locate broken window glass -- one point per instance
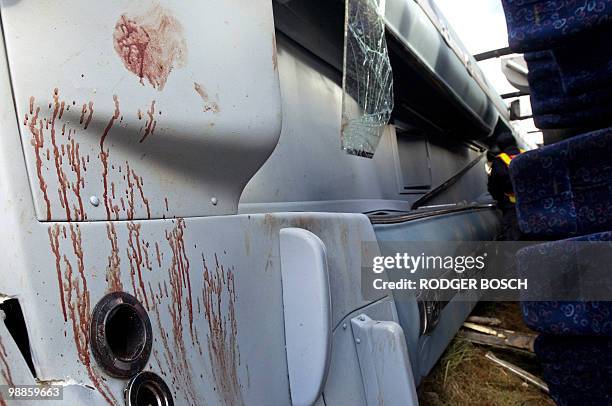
(367, 99)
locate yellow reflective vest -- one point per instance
(506, 158)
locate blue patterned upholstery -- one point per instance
(553, 107)
(542, 24)
(585, 66)
(574, 269)
(569, 318)
(565, 189)
(575, 345)
(577, 371)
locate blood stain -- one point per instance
(150, 45)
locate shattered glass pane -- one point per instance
(367, 82)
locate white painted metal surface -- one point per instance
(213, 294)
(308, 171)
(148, 106)
(384, 362)
(94, 128)
(307, 313)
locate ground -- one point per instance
(463, 376)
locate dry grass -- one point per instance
(463, 376)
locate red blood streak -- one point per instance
(113, 269)
(38, 142)
(222, 330)
(139, 185)
(6, 369)
(151, 122)
(136, 260)
(157, 254)
(75, 163)
(91, 110)
(104, 157)
(61, 175)
(54, 241)
(179, 277)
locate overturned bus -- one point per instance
(189, 190)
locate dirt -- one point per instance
(463, 376)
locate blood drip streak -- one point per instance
(54, 241)
(61, 175)
(151, 122)
(75, 162)
(38, 142)
(135, 258)
(139, 185)
(104, 156)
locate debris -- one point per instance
(483, 329)
(489, 321)
(534, 380)
(510, 340)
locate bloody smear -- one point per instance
(209, 105)
(150, 45)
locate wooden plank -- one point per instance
(515, 341)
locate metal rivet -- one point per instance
(94, 201)
(344, 326)
(358, 340)
(214, 201)
(362, 318)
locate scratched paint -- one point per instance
(151, 45)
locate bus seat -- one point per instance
(569, 269)
(565, 189)
(553, 106)
(577, 371)
(585, 68)
(541, 24)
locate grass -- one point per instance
(463, 376)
